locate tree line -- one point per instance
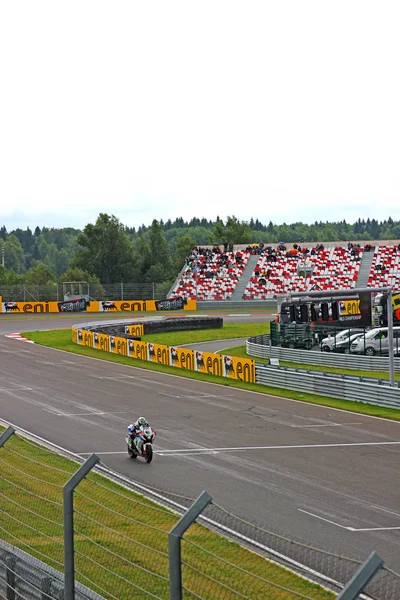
(110, 252)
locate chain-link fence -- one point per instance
(113, 291)
(122, 542)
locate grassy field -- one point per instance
(61, 339)
(121, 540)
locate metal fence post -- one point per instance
(68, 502)
(174, 544)
(10, 578)
(6, 435)
(389, 310)
(361, 577)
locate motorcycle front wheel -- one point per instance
(149, 453)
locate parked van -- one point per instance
(328, 344)
(376, 341)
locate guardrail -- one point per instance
(24, 576)
(328, 374)
(334, 387)
(316, 357)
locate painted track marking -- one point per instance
(187, 451)
(352, 529)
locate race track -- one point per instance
(318, 475)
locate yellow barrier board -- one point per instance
(145, 305)
(85, 338)
(81, 305)
(207, 362)
(158, 353)
(233, 367)
(137, 330)
(102, 342)
(182, 358)
(137, 349)
(241, 369)
(118, 345)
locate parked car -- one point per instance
(344, 346)
(328, 344)
(376, 342)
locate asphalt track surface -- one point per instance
(319, 475)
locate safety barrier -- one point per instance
(231, 367)
(334, 387)
(24, 576)
(256, 347)
(83, 305)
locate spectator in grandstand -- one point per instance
(225, 246)
(230, 246)
(239, 258)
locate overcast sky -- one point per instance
(285, 111)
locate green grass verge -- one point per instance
(61, 339)
(121, 538)
(228, 331)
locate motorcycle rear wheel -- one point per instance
(149, 453)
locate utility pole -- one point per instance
(2, 253)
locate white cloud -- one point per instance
(283, 111)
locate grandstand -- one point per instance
(211, 274)
(385, 267)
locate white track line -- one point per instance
(295, 447)
(187, 451)
(352, 529)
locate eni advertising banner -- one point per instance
(85, 338)
(137, 349)
(241, 369)
(207, 362)
(142, 305)
(118, 345)
(232, 367)
(101, 342)
(349, 307)
(137, 330)
(82, 305)
(183, 358)
(158, 353)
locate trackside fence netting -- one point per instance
(97, 291)
(121, 543)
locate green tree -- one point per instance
(39, 275)
(106, 251)
(9, 277)
(238, 232)
(13, 254)
(76, 274)
(184, 244)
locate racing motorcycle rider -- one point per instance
(133, 429)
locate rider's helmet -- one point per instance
(142, 422)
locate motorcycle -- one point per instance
(142, 444)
